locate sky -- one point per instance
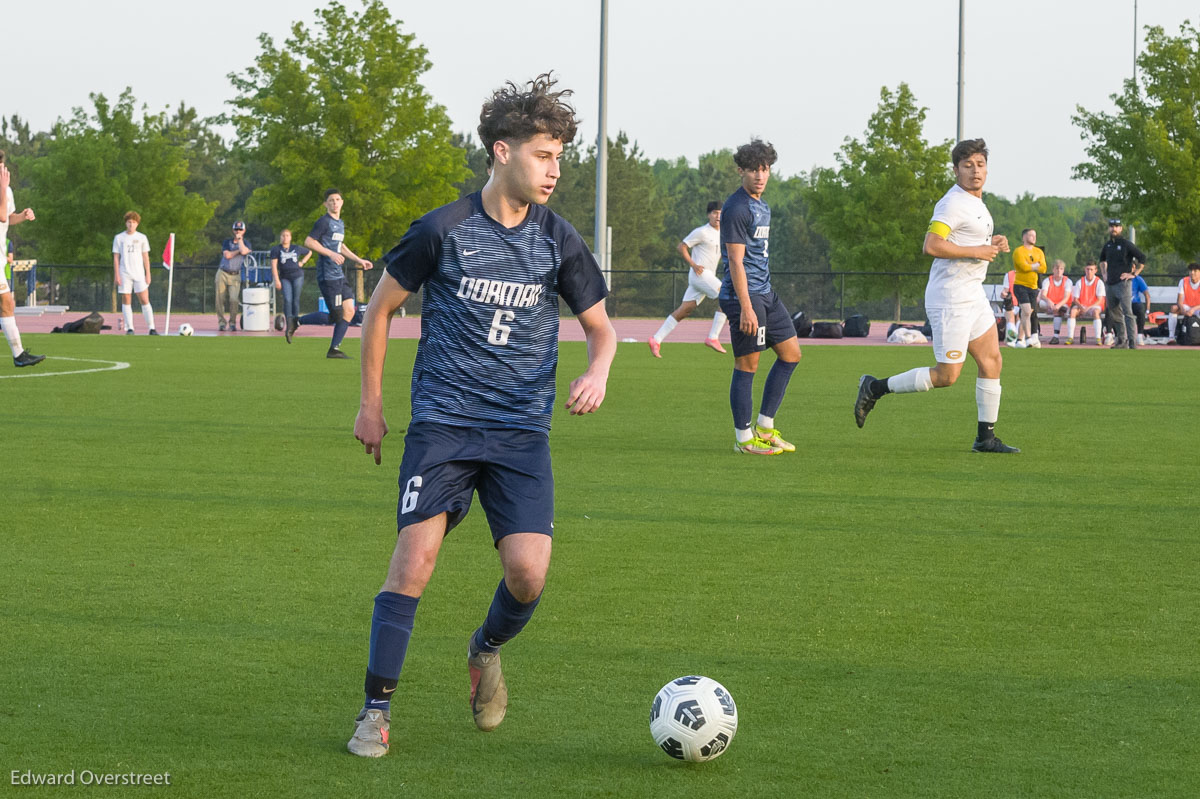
(684, 77)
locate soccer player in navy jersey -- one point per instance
(328, 240)
(492, 266)
(757, 317)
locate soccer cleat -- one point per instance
(27, 358)
(756, 446)
(1054, 340)
(370, 734)
(334, 352)
(1010, 334)
(1069, 341)
(129, 332)
(152, 333)
(655, 347)
(713, 344)
(771, 436)
(1021, 344)
(992, 445)
(1012, 343)
(489, 693)
(1035, 342)
(865, 402)
(1109, 339)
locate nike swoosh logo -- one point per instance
(470, 252)
(388, 690)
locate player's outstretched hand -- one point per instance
(370, 427)
(585, 394)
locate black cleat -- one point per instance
(865, 402)
(992, 445)
(334, 352)
(129, 332)
(152, 333)
(27, 358)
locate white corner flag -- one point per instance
(169, 263)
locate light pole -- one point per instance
(962, 38)
(600, 238)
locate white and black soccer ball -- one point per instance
(186, 330)
(693, 718)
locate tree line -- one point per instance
(339, 103)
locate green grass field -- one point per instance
(191, 547)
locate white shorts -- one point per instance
(127, 281)
(701, 286)
(954, 328)
(4, 287)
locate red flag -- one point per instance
(169, 252)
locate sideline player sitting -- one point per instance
(1055, 297)
(1187, 303)
(1028, 262)
(1088, 298)
(492, 267)
(705, 254)
(961, 242)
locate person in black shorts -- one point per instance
(328, 240)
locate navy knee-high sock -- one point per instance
(339, 332)
(505, 618)
(776, 387)
(391, 627)
(741, 399)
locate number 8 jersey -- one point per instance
(489, 314)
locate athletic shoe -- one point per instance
(655, 347)
(27, 358)
(712, 343)
(1172, 342)
(489, 694)
(1109, 339)
(1010, 334)
(756, 446)
(865, 402)
(1141, 340)
(1055, 340)
(1021, 344)
(992, 445)
(1011, 343)
(129, 332)
(1035, 342)
(1068, 341)
(771, 436)
(221, 327)
(370, 734)
(292, 324)
(152, 333)
(334, 352)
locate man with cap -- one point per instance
(229, 276)
(1120, 262)
(705, 244)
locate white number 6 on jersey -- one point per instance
(409, 500)
(500, 331)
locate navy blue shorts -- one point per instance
(774, 323)
(336, 292)
(443, 465)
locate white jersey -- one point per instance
(10, 208)
(705, 244)
(959, 281)
(130, 248)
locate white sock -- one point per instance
(127, 313)
(911, 381)
(667, 326)
(766, 421)
(1071, 328)
(718, 325)
(1096, 325)
(743, 435)
(148, 315)
(9, 323)
(987, 399)
(1172, 323)
(1057, 324)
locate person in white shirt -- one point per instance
(705, 244)
(8, 305)
(131, 271)
(1055, 297)
(962, 244)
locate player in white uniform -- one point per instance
(8, 319)
(131, 271)
(961, 242)
(705, 244)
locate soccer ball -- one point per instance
(693, 718)
(185, 329)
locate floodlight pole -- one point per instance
(1135, 41)
(962, 38)
(600, 237)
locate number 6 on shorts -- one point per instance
(411, 492)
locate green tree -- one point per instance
(340, 105)
(95, 167)
(1145, 159)
(874, 208)
(476, 164)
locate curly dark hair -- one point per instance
(519, 113)
(757, 153)
(967, 148)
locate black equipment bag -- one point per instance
(827, 330)
(857, 326)
(92, 323)
(1188, 333)
(802, 324)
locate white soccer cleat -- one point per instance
(1021, 344)
(370, 734)
(1035, 342)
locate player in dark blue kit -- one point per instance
(757, 317)
(328, 240)
(492, 267)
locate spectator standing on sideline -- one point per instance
(286, 263)
(1055, 297)
(1140, 305)
(229, 276)
(1120, 263)
(1028, 262)
(131, 272)
(8, 319)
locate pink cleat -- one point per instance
(712, 343)
(655, 347)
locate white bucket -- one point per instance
(256, 309)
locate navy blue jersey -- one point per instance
(489, 314)
(289, 260)
(330, 233)
(745, 220)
